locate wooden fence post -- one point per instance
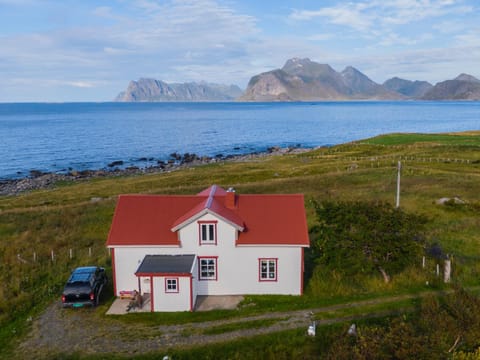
(447, 271)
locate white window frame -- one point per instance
(204, 266)
(267, 269)
(171, 285)
(207, 232)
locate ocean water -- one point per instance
(79, 136)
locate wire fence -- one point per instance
(64, 255)
(394, 159)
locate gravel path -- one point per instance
(68, 331)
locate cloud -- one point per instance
(103, 11)
(395, 39)
(101, 48)
(107, 46)
(80, 84)
(450, 26)
(189, 24)
(350, 16)
(433, 65)
(17, 2)
(153, 34)
(469, 38)
(320, 37)
(53, 83)
(367, 15)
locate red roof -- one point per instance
(210, 205)
(260, 219)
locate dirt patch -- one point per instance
(206, 303)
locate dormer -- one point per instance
(220, 204)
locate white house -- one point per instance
(175, 247)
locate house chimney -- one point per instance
(230, 198)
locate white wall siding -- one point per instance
(127, 261)
(163, 301)
(237, 266)
(239, 272)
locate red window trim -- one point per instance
(207, 222)
(177, 290)
(200, 258)
(260, 269)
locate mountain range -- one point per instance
(150, 90)
(306, 80)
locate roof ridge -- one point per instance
(213, 190)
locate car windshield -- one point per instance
(80, 277)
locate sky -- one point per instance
(89, 50)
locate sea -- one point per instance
(60, 137)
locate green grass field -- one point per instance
(65, 218)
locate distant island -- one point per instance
(304, 80)
(150, 90)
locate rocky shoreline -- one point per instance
(41, 180)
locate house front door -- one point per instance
(145, 285)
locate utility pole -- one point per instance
(399, 168)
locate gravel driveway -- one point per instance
(84, 331)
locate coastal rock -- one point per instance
(116, 163)
(48, 180)
(446, 200)
(13, 187)
(36, 173)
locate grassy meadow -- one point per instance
(44, 234)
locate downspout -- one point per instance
(302, 271)
(114, 272)
(191, 293)
(151, 294)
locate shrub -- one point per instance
(367, 237)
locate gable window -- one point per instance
(207, 268)
(207, 232)
(267, 269)
(171, 285)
